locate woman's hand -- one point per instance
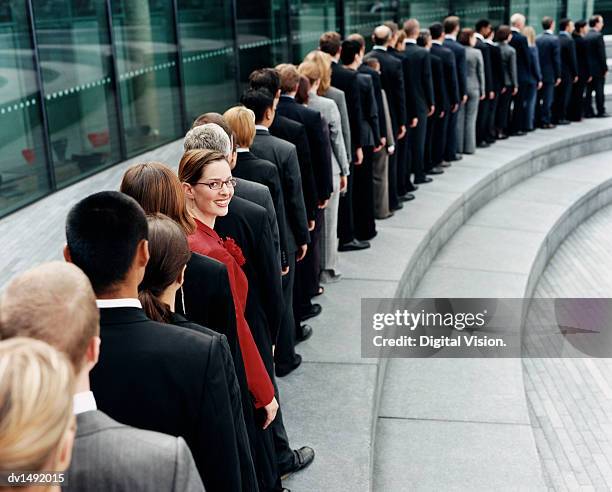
(271, 409)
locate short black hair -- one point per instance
(563, 23)
(594, 19)
(257, 100)
(424, 37)
(579, 25)
(350, 49)
(481, 24)
(547, 22)
(102, 233)
(436, 30)
(265, 78)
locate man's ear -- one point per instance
(67, 256)
(269, 116)
(92, 353)
(142, 253)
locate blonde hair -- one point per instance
(310, 70)
(53, 302)
(323, 61)
(36, 390)
(530, 34)
(242, 121)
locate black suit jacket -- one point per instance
(569, 63)
(346, 80)
(549, 52)
(392, 81)
(523, 61)
(485, 49)
(596, 53)
(417, 80)
(295, 133)
(370, 131)
(450, 72)
(440, 95)
(376, 85)
(284, 155)
(460, 64)
(582, 57)
(172, 380)
(252, 168)
(313, 122)
(497, 68)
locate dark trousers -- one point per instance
(596, 85)
(416, 143)
(502, 120)
(546, 96)
(491, 132)
(482, 120)
(563, 93)
(575, 110)
(346, 227)
(308, 272)
(518, 120)
(402, 151)
(284, 354)
(285, 457)
(363, 197)
(392, 181)
(450, 147)
(438, 142)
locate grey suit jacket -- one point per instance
(509, 63)
(329, 111)
(475, 71)
(338, 97)
(112, 457)
(260, 195)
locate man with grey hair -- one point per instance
(208, 136)
(106, 455)
(518, 123)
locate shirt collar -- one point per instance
(548, 31)
(435, 41)
(488, 41)
(564, 33)
(118, 303)
(479, 36)
(241, 150)
(380, 48)
(261, 127)
(450, 36)
(515, 29)
(83, 402)
(287, 96)
(410, 41)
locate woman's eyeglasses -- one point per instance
(218, 184)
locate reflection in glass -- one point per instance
(74, 48)
(147, 63)
(206, 37)
(309, 19)
(23, 167)
(362, 16)
(262, 34)
(427, 12)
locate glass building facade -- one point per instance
(85, 84)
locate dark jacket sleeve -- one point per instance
(486, 58)
(296, 208)
(382, 121)
(428, 81)
(308, 182)
(353, 102)
(276, 190)
(320, 149)
(401, 95)
(461, 72)
(453, 84)
(557, 58)
(372, 117)
(601, 52)
(573, 64)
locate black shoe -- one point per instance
(410, 188)
(282, 371)
(502, 136)
(313, 311)
(456, 157)
(563, 122)
(354, 245)
(603, 115)
(436, 170)
(491, 140)
(303, 457)
(423, 180)
(548, 126)
(483, 145)
(305, 335)
(399, 206)
(406, 198)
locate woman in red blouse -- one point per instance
(209, 187)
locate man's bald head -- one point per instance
(381, 36)
(53, 302)
(412, 28)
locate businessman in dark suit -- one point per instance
(106, 455)
(549, 51)
(576, 106)
(451, 87)
(451, 29)
(518, 122)
(392, 81)
(598, 67)
(419, 98)
(151, 375)
(486, 105)
(569, 72)
(497, 77)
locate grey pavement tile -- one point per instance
(548, 190)
(425, 455)
(481, 390)
(329, 407)
(421, 213)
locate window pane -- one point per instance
(426, 12)
(471, 11)
(148, 72)
(362, 16)
(310, 19)
(74, 51)
(23, 167)
(262, 34)
(206, 37)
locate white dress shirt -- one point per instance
(118, 303)
(479, 36)
(450, 36)
(378, 47)
(83, 402)
(240, 150)
(261, 127)
(410, 41)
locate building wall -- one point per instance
(85, 84)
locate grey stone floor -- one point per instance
(570, 400)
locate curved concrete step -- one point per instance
(471, 414)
